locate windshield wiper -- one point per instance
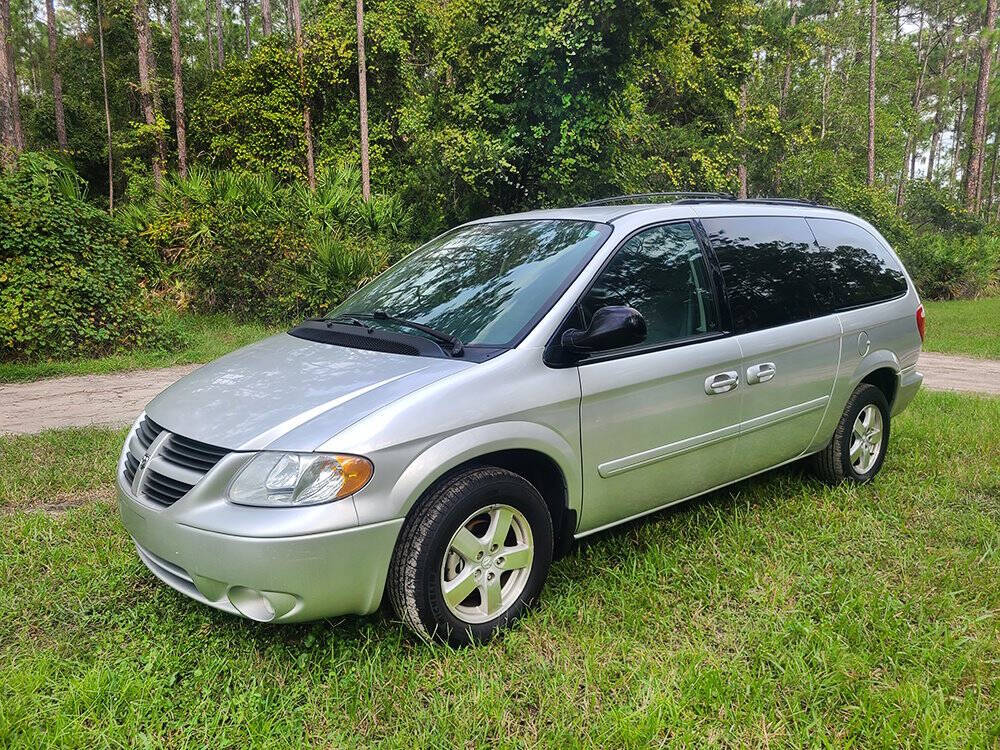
(457, 347)
(349, 320)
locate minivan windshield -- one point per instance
(482, 283)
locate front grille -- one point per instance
(174, 467)
(163, 489)
(191, 454)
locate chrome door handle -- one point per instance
(721, 382)
(760, 373)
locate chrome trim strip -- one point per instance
(636, 460)
(782, 415)
(627, 463)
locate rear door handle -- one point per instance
(760, 373)
(721, 382)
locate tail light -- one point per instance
(921, 321)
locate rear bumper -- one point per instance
(280, 579)
(909, 384)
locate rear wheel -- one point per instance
(857, 450)
(472, 557)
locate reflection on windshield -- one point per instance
(482, 283)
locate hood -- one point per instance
(288, 393)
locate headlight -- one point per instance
(286, 480)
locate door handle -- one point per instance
(721, 382)
(760, 373)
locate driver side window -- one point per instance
(662, 273)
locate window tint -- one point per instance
(773, 270)
(862, 270)
(662, 273)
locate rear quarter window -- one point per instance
(772, 268)
(861, 269)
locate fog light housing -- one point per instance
(262, 606)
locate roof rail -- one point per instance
(694, 196)
(765, 201)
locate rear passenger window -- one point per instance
(662, 273)
(862, 270)
(773, 270)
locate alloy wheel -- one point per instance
(866, 439)
(487, 563)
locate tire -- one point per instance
(427, 564)
(834, 463)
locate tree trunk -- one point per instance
(265, 16)
(145, 82)
(175, 56)
(107, 109)
(786, 81)
(923, 58)
(993, 172)
(57, 94)
(974, 169)
(306, 115)
(218, 34)
(245, 12)
(741, 168)
(825, 94)
(208, 35)
(956, 152)
(13, 136)
(872, 53)
(366, 189)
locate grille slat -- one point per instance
(131, 464)
(163, 490)
(193, 456)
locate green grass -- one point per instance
(969, 327)
(206, 336)
(777, 613)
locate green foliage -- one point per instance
(954, 266)
(929, 206)
(248, 245)
(71, 282)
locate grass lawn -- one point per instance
(777, 613)
(208, 337)
(964, 327)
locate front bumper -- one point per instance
(280, 579)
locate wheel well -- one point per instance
(884, 379)
(541, 471)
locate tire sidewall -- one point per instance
(510, 490)
(865, 397)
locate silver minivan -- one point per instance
(515, 384)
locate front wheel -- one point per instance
(472, 557)
(857, 449)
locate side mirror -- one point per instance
(611, 327)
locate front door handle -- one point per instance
(760, 373)
(721, 382)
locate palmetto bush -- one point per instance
(247, 244)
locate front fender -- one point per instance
(461, 447)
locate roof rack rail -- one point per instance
(677, 194)
(763, 201)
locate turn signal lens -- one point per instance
(921, 321)
(273, 479)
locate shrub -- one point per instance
(70, 280)
(248, 245)
(954, 266)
